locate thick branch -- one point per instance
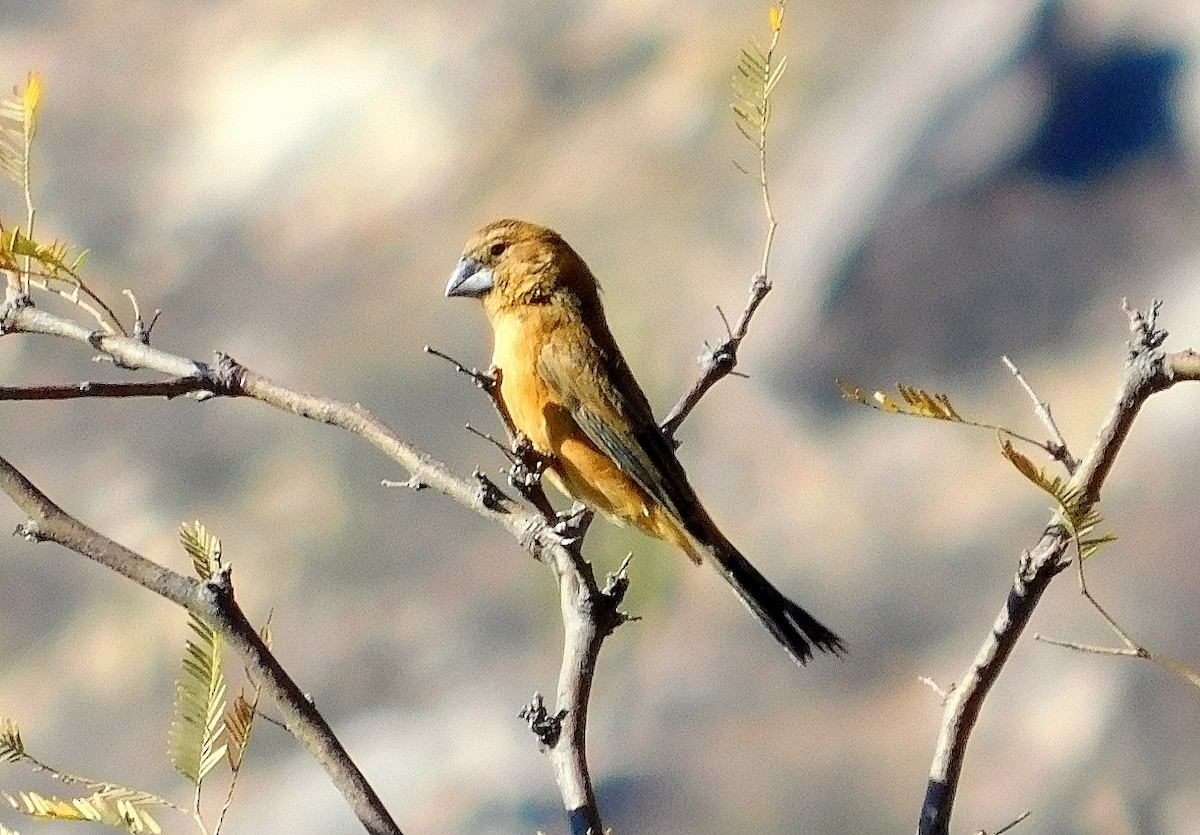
(215, 604)
(589, 615)
(1147, 371)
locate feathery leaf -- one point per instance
(199, 706)
(52, 258)
(917, 403)
(757, 75)
(12, 748)
(200, 691)
(114, 806)
(239, 722)
(1080, 517)
(18, 127)
(204, 549)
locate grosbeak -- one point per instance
(568, 390)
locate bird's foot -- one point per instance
(573, 524)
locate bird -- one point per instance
(568, 390)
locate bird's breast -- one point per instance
(527, 399)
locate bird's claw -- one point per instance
(573, 524)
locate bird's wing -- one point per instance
(600, 392)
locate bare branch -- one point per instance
(213, 601)
(718, 362)
(1130, 648)
(20, 316)
(1147, 371)
(589, 615)
(1058, 446)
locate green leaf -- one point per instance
(199, 706)
(54, 259)
(18, 127)
(1080, 517)
(757, 74)
(204, 549)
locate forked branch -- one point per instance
(1148, 370)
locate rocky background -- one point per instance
(291, 182)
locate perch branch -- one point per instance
(531, 528)
(589, 615)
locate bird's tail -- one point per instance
(791, 625)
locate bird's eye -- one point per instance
(497, 249)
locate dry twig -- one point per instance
(1148, 370)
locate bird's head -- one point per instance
(513, 262)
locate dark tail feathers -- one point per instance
(791, 625)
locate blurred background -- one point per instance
(292, 182)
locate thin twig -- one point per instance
(768, 70)
(1112, 623)
(1130, 648)
(30, 99)
(718, 362)
(1011, 824)
(485, 381)
(1058, 445)
(526, 464)
(1130, 652)
(942, 692)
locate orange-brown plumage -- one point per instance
(567, 388)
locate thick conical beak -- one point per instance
(470, 278)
